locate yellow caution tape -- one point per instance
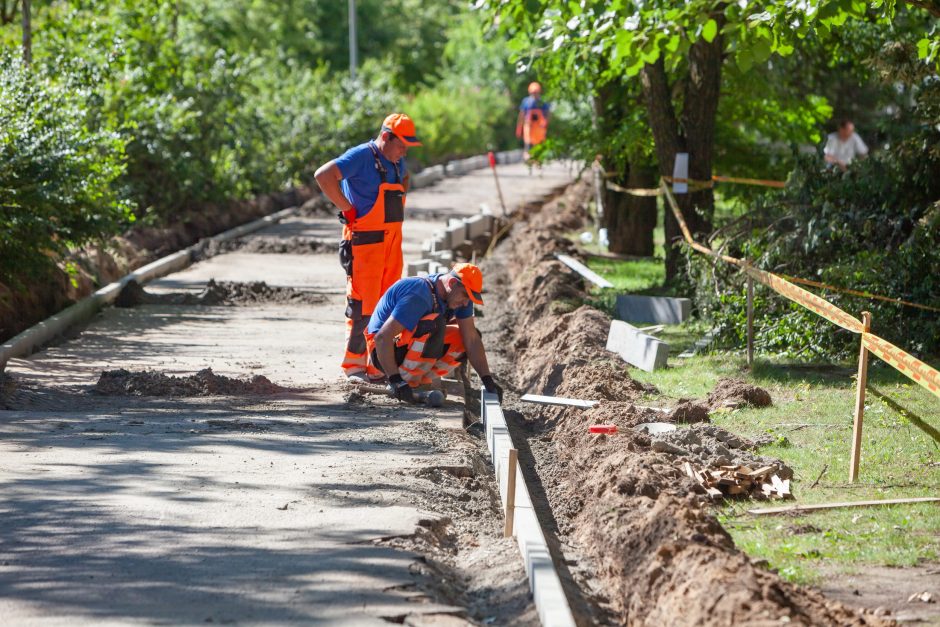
(904, 362)
(745, 181)
(634, 191)
(814, 303)
(826, 286)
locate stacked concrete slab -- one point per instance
(635, 347)
(653, 309)
(441, 249)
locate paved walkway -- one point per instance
(260, 509)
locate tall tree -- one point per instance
(679, 51)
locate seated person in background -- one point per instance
(844, 145)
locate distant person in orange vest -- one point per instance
(533, 119)
(844, 146)
(368, 185)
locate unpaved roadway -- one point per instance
(312, 505)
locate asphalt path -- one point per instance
(238, 509)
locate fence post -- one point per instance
(859, 402)
(750, 322)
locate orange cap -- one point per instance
(472, 280)
(401, 126)
(534, 87)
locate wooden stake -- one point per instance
(499, 190)
(511, 493)
(859, 403)
(750, 322)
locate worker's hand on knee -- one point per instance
(492, 386)
(399, 388)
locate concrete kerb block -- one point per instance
(635, 347)
(478, 225)
(653, 309)
(414, 267)
(457, 234)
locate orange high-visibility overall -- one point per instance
(371, 255)
(432, 347)
(534, 127)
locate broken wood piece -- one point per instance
(558, 400)
(714, 493)
(818, 506)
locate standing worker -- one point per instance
(844, 146)
(368, 185)
(424, 326)
(532, 122)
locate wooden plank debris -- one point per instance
(740, 481)
(584, 271)
(558, 400)
(817, 506)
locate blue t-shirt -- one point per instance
(409, 300)
(529, 103)
(361, 180)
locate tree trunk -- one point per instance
(632, 219)
(8, 11)
(696, 135)
(27, 34)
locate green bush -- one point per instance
(57, 171)
(875, 228)
(460, 120)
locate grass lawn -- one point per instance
(811, 421)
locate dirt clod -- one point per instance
(203, 383)
(734, 394)
(689, 412)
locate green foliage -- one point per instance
(875, 228)
(57, 170)
(460, 120)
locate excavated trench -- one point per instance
(637, 535)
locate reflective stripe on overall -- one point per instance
(371, 255)
(534, 126)
(432, 347)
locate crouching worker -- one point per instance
(423, 326)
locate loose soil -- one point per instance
(734, 394)
(643, 544)
(219, 293)
(271, 246)
(203, 383)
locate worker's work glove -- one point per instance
(493, 387)
(399, 388)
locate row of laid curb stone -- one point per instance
(436, 173)
(56, 325)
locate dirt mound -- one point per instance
(602, 380)
(222, 293)
(203, 383)
(271, 246)
(689, 412)
(622, 503)
(732, 394)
